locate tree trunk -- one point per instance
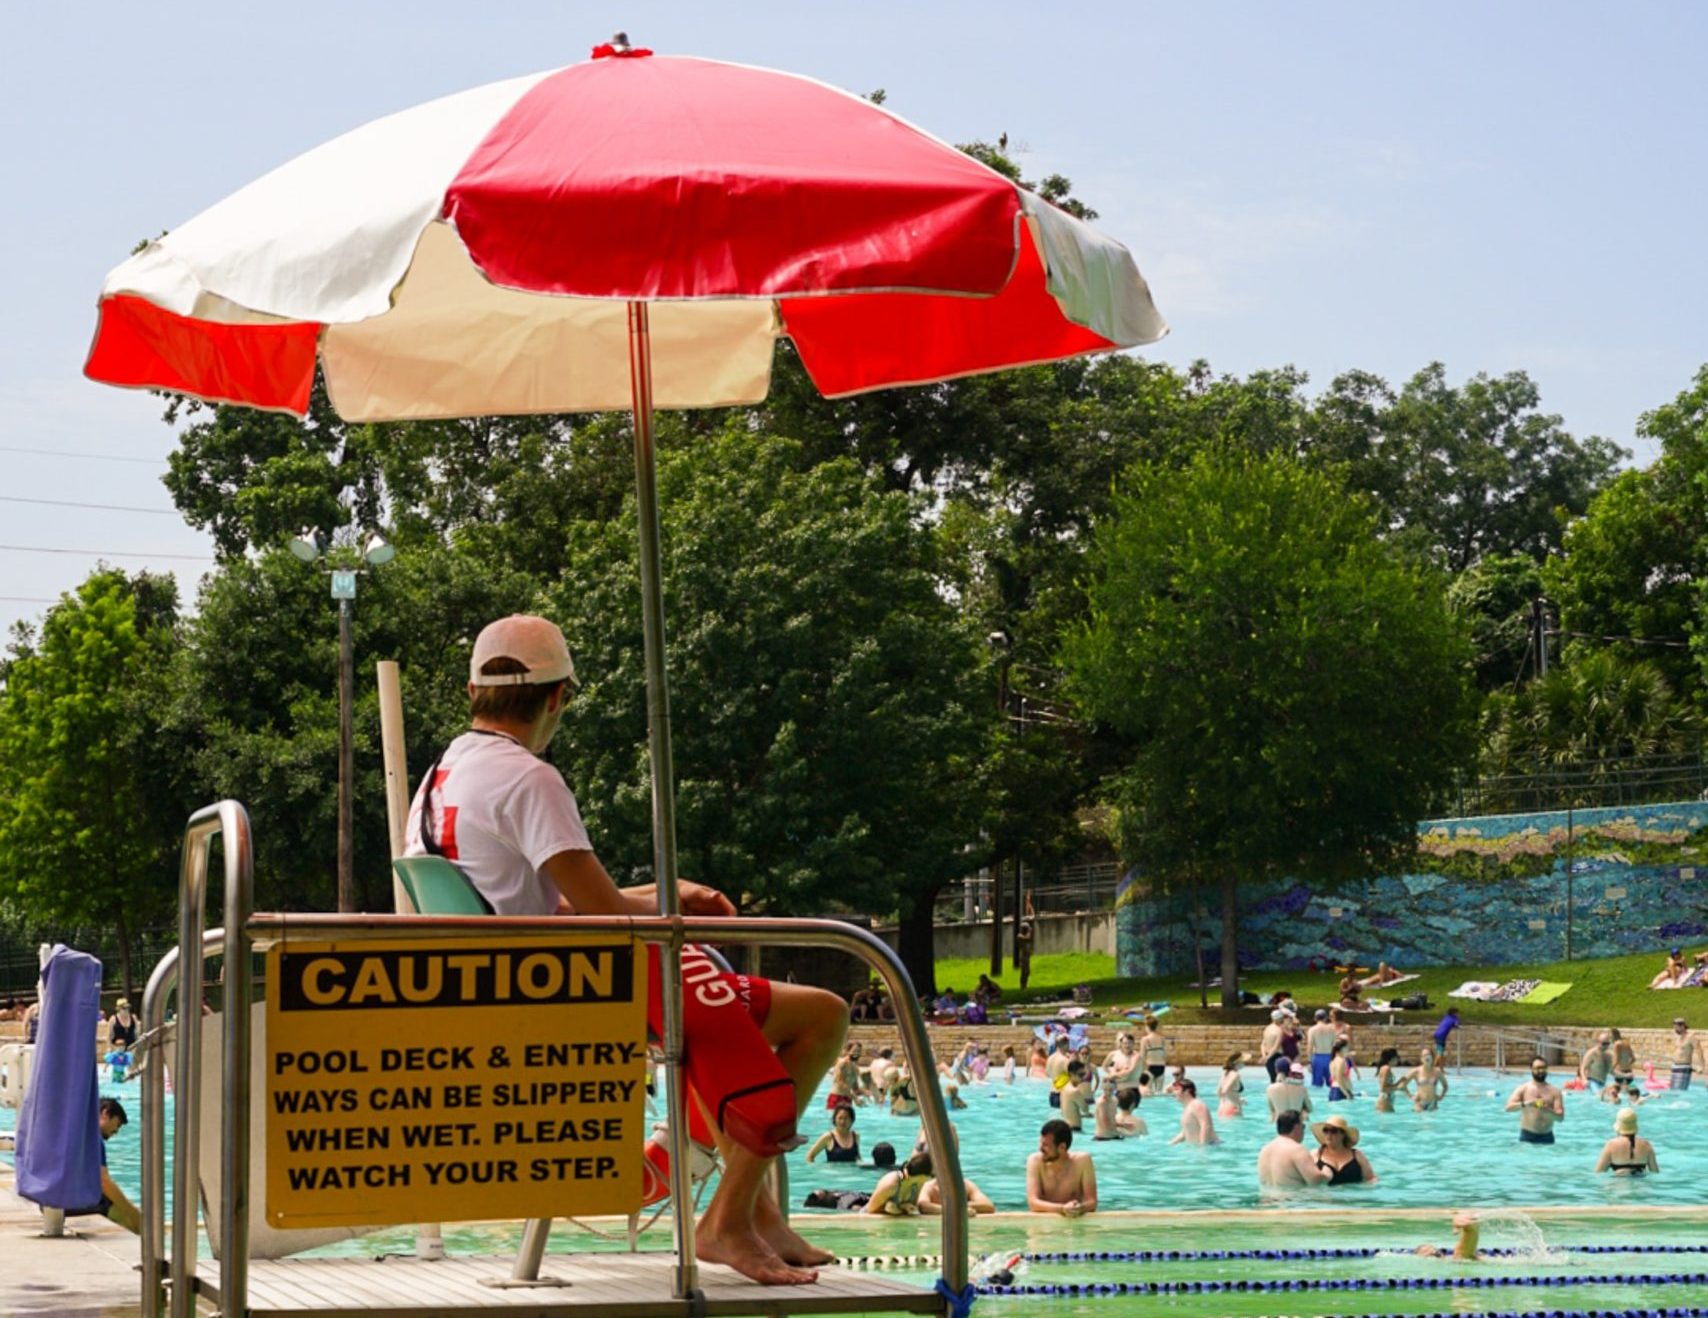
(917, 944)
(1198, 941)
(1230, 939)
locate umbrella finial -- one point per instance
(618, 47)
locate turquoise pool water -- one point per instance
(1464, 1154)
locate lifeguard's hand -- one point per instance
(698, 899)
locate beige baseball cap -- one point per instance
(531, 641)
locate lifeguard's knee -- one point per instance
(798, 1011)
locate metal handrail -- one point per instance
(1534, 1038)
(267, 927)
(229, 820)
(153, 1233)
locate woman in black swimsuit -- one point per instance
(1338, 1152)
(841, 1143)
(1625, 1154)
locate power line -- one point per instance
(103, 507)
(25, 599)
(72, 453)
(104, 553)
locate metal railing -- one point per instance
(1067, 890)
(1530, 1043)
(245, 931)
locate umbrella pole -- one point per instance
(663, 790)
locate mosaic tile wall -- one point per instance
(1488, 890)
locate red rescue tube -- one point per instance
(730, 1064)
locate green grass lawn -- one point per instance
(1611, 991)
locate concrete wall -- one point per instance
(1495, 889)
(1086, 931)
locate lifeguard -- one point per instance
(509, 821)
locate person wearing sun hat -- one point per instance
(507, 819)
(1626, 1154)
(1338, 1153)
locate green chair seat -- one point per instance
(437, 887)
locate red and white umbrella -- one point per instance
(476, 255)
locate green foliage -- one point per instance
(88, 822)
(1591, 715)
(1494, 596)
(823, 695)
(1292, 690)
(1461, 474)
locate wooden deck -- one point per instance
(613, 1285)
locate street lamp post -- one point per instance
(309, 545)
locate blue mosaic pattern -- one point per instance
(1618, 903)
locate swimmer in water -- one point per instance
(1388, 1080)
(1538, 1104)
(1626, 1154)
(1195, 1124)
(1108, 1113)
(1429, 1081)
(1230, 1089)
(1464, 1244)
(841, 1143)
(1057, 1179)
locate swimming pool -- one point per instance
(1466, 1153)
(1203, 1204)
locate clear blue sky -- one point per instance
(1506, 186)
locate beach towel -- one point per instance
(1545, 991)
(59, 1131)
(1397, 979)
(1513, 990)
(1477, 990)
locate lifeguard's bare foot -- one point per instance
(750, 1255)
(791, 1246)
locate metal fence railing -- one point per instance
(1583, 784)
(1087, 887)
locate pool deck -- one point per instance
(92, 1269)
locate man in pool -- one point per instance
(1686, 1054)
(1283, 1161)
(1288, 1093)
(1539, 1106)
(1320, 1041)
(1059, 1180)
(1597, 1061)
(1195, 1124)
(1078, 1095)
(508, 820)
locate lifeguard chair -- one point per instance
(659, 1282)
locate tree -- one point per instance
(823, 698)
(1292, 688)
(1494, 597)
(88, 825)
(1461, 473)
(1591, 716)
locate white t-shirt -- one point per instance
(500, 812)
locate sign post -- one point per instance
(453, 1079)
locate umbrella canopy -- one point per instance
(475, 255)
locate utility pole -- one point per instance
(999, 641)
(1539, 620)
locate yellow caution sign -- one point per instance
(455, 1079)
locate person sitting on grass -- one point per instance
(1385, 974)
(1674, 973)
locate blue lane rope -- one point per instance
(1470, 1282)
(883, 1261)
